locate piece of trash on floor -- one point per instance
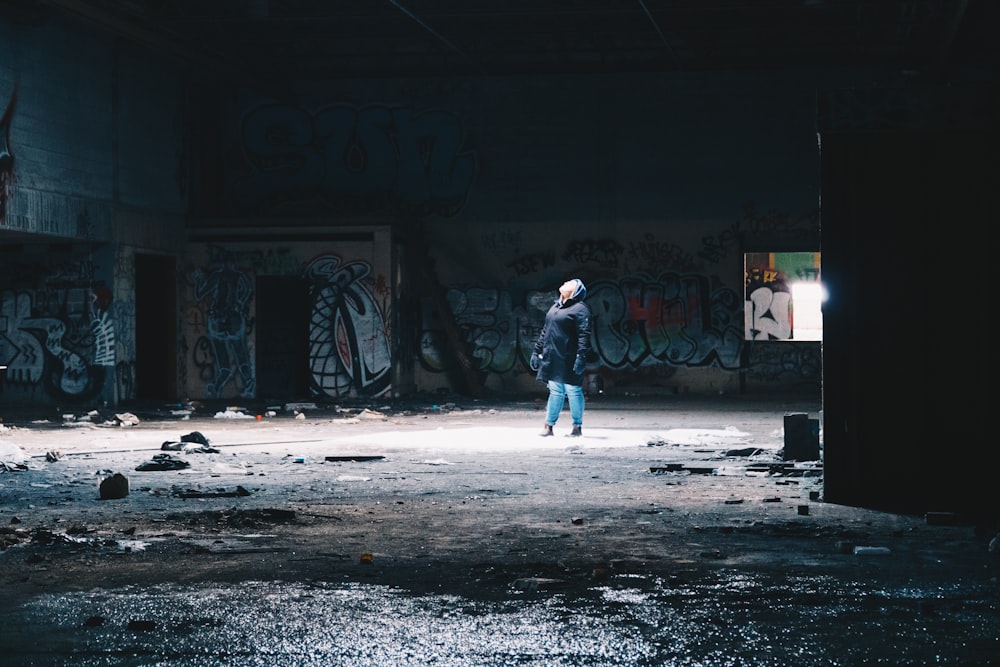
(194, 493)
(11, 453)
(163, 462)
(437, 462)
(125, 419)
(114, 487)
(354, 459)
(231, 413)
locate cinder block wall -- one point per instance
(92, 172)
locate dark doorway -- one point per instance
(282, 340)
(155, 328)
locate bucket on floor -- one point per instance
(801, 437)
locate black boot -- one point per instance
(576, 432)
(546, 431)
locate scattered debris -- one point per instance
(746, 451)
(191, 443)
(354, 459)
(789, 469)
(191, 493)
(699, 436)
(163, 462)
(12, 457)
(188, 448)
(233, 412)
(126, 419)
(195, 436)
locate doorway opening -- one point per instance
(155, 327)
(784, 296)
(282, 338)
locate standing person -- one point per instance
(560, 354)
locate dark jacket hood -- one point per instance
(579, 294)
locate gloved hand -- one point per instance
(580, 365)
(535, 362)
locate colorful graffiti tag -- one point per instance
(59, 343)
(228, 292)
(348, 335)
(673, 319)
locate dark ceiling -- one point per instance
(290, 39)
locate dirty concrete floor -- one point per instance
(464, 498)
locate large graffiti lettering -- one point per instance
(768, 307)
(228, 292)
(355, 158)
(63, 347)
(348, 335)
(768, 315)
(677, 319)
(639, 321)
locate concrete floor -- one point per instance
(677, 495)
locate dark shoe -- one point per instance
(546, 431)
(576, 432)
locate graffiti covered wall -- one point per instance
(629, 183)
(347, 322)
(57, 333)
(667, 312)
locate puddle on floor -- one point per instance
(734, 619)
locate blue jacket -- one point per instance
(564, 337)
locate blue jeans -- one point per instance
(558, 392)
